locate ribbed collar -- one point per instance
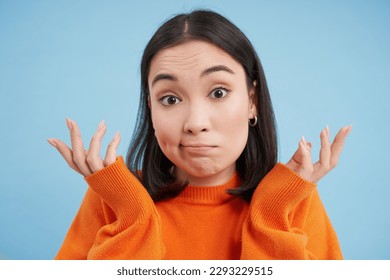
(208, 195)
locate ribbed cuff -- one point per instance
(277, 195)
(118, 187)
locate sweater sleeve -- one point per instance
(287, 220)
(117, 219)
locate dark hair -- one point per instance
(145, 158)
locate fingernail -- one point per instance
(327, 130)
(101, 125)
(324, 132)
(52, 142)
(348, 130)
(303, 144)
(69, 123)
(116, 136)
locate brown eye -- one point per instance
(169, 100)
(219, 93)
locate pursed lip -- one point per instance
(197, 148)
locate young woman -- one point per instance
(201, 179)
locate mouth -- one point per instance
(197, 147)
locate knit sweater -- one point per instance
(119, 220)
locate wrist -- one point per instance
(277, 195)
(119, 188)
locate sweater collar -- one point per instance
(209, 194)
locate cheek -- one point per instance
(237, 130)
(166, 130)
(235, 127)
(236, 115)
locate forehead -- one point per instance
(193, 55)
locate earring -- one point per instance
(253, 122)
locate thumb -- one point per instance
(111, 150)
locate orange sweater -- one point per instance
(119, 220)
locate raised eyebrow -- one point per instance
(208, 71)
(163, 76)
(216, 68)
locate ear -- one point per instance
(253, 101)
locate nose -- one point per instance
(197, 119)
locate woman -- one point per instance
(204, 180)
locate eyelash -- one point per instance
(165, 98)
(223, 89)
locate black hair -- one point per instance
(146, 160)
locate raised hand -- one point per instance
(84, 161)
(301, 161)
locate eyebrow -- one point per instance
(208, 71)
(160, 77)
(216, 68)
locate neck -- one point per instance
(207, 178)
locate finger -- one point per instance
(111, 150)
(93, 158)
(65, 152)
(77, 147)
(338, 144)
(306, 155)
(296, 159)
(325, 151)
(322, 166)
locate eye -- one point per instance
(169, 100)
(219, 93)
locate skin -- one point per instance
(200, 105)
(205, 129)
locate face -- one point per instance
(200, 105)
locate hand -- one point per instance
(89, 161)
(301, 162)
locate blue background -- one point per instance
(326, 63)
